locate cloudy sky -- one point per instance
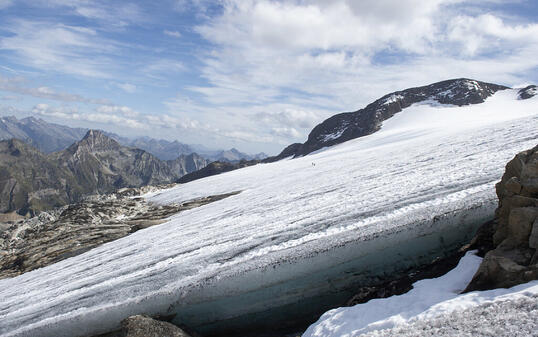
(257, 75)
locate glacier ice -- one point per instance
(297, 237)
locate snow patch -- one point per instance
(427, 300)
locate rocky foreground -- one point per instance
(511, 240)
(52, 236)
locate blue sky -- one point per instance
(256, 75)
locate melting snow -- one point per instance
(425, 161)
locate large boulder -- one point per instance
(145, 326)
(511, 256)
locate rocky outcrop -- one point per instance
(512, 238)
(349, 125)
(528, 92)
(145, 326)
(52, 236)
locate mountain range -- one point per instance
(51, 137)
(32, 181)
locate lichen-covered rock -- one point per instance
(513, 236)
(145, 326)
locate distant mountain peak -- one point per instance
(95, 141)
(528, 92)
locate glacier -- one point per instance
(297, 238)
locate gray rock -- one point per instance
(145, 326)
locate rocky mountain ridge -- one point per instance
(33, 181)
(349, 125)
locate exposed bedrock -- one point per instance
(511, 240)
(69, 231)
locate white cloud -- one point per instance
(286, 132)
(57, 47)
(172, 33)
(100, 117)
(127, 87)
(488, 33)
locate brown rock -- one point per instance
(513, 185)
(144, 326)
(520, 223)
(498, 271)
(513, 242)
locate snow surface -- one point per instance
(290, 220)
(431, 304)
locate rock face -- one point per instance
(349, 125)
(514, 233)
(31, 181)
(71, 230)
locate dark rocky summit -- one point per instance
(528, 92)
(349, 125)
(31, 181)
(52, 236)
(510, 242)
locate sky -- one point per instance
(252, 74)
